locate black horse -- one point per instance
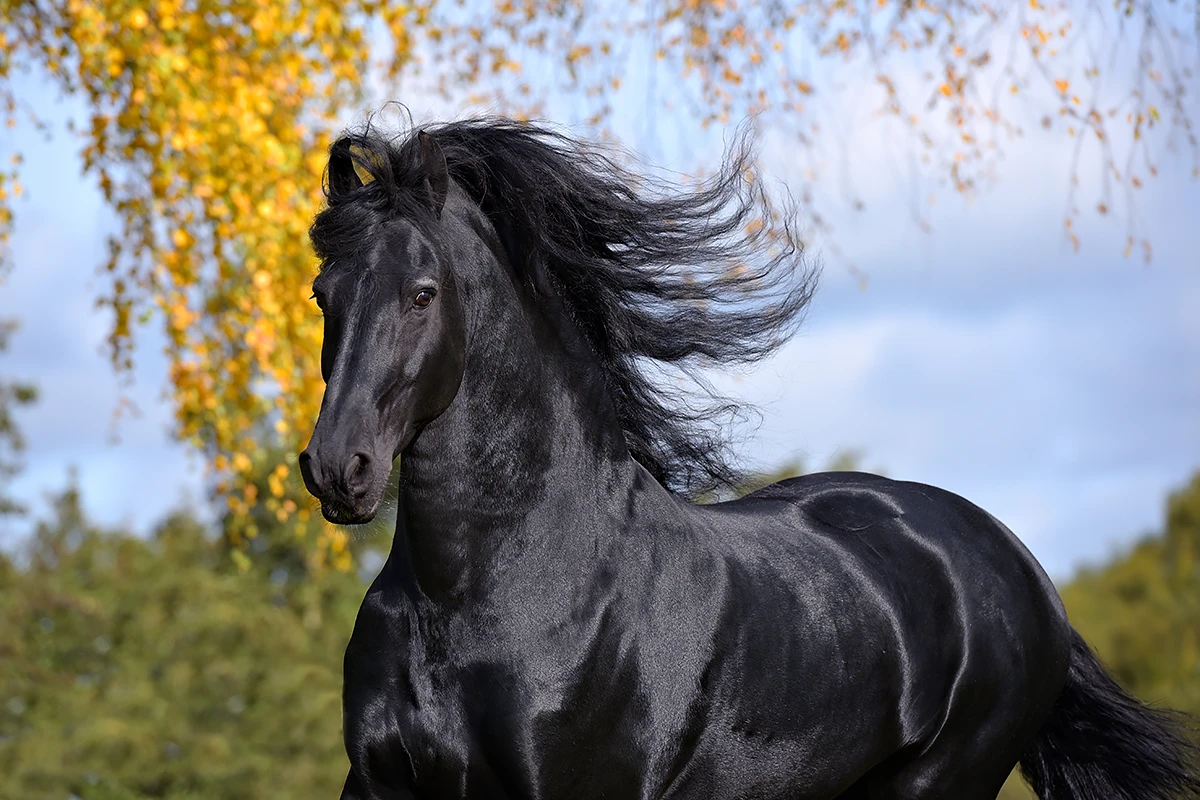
(556, 618)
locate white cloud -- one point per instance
(1053, 390)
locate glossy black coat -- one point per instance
(554, 623)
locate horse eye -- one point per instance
(423, 298)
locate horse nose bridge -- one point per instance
(335, 462)
(342, 400)
(344, 432)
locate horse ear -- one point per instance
(437, 174)
(343, 172)
(352, 166)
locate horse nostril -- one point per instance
(357, 474)
(305, 460)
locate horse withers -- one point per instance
(556, 619)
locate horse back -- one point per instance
(857, 613)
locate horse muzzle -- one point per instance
(350, 487)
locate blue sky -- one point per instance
(1058, 391)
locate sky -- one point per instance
(1059, 391)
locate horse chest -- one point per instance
(433, 737)
(484, 728)
(405, 727)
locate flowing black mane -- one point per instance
(655, 276)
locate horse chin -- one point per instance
(342, 514)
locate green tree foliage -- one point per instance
(13, 394)
(158, 668)
(1141, 612)
(844, 461)
(179, 667)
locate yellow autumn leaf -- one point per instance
(138, 19)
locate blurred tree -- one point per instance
(155, 669)
(158, 669)
(1016, 789)
(843, 461)
(207, 126)
(13, 394)
(959, 80)
(1141, 611)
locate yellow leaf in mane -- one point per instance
(361, 155)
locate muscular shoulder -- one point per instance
(850, 501)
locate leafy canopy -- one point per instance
(153, 668)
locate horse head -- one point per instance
(394, 341)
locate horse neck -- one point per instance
(518, 481)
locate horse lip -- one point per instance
(341, 514)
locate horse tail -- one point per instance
(1101, 743)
